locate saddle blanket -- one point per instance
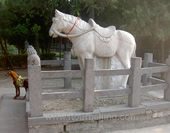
(20, 81)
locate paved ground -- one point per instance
(12, 112)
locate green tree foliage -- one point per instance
(149, 20)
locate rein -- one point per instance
(73, 26)
(75, 35)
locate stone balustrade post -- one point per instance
(135, 82)
(148, 57)
(89, 79)
(34, 83)
(167, 79)
(67, 66)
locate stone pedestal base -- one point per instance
(108, 82)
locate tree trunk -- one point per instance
(6, 45)
(6, 54)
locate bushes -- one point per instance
(16, 60)
(21, 60)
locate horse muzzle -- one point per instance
(7, 74)
(52, 34)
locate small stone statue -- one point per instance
(33, 58)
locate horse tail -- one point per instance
(134, 51)
(26, 84)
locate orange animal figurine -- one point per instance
(18, 82)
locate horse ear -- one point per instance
(57, 13)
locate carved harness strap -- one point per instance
(73, 26)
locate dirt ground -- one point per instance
(6, 86)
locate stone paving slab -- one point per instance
(12, 115)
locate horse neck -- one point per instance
(14, 76)
(80, 25)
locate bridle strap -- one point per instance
(73, 26)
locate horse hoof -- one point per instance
(15, 97)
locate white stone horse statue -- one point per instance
(89, 39)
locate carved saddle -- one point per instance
(104, 32)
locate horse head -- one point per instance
(12, 73)
(57, 25)
(9, 73)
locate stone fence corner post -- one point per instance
(34, 82)
(67, 66)
(148, 57)
(167, 79)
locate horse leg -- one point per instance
(25, 93)
(24, 97)
(124, 54)
(83, 57)
(26, 87)
(80, 63)
(125, 77)
(16, 91)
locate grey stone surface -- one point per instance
(35, 91)
(89, 86)
(61, 74)
(148, 57)
(81, 125)
(167, 78)
(12, 115)
(108, 79)
(86, 131)
(67, 66)
(135, 82)
(47, 129)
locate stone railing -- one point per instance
(134, 90)
(35, 76)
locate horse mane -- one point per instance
(14, 74)
(81, 24)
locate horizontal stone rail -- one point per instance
(154, 69)
(57, 62)
(62, 95)
(155, 80)
(79, 73)
(161, 86)
(61, 74)
(79, 94)
(111, 92)
(153, 64)
(112, 72)
(52, 62)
